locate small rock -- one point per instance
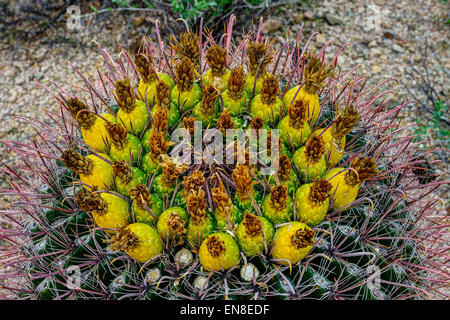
(309, 15)
(4, 204)
(389, 34)
(397, 48)
(271, 25)
(333, 20)
(374, 52)
(376, 68)
(138, 21)
(298, 18)
(372, 44)
(320, 39)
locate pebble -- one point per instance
(298, 18)
(271, 26)
(333, 20)
(397, 48)
(309, 15)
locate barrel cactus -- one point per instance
(102, 209)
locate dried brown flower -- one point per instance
(297, 114)
(85, 119)
(216, 57)
(185, 74)
(302, 238)
(77, 163)
(123, 171)
(141, 196)
(242, 181)
(257, 52)
(236, 83)
(269, 89)
(252, 224)
(315, 148)
(210, 95)
(319, 192)
(278, 197)
(316, 72)
(215, 246)
(125, 95)
(117, 134)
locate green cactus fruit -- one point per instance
(127, 177)
(133, 113)
(124, 146)
(312, 201)
(218, 75)
(309, 160)
(147, 207)
(172, 225)
(277, 206)
(207, 109)
(294, 130)
(254, 234)
(266, 104)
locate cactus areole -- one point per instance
(223, 169)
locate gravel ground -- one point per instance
(385, 39)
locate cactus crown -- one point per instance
(319, 192)
(285, 167)
(123, 171)
(216, 57)
(278, 197)
(258, 55)
(242, 181)
(144, 65)
(216, 246)
(210, 95)
(270, 89)
(365, 168)
(125, 95)
(224, 121)
(187, 47)
(393, 222)
(185, 74)
(252, 224)
(302, 238)
(124, 240)
(140, 195)
(316, 72)
(297, 114)
(118, 134)
(85, 119)
(236, 82)
(163, 94)
(76, 162)
(344, 122)
(196, 205)
(90, 201)
(315, 148)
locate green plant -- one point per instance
(203, 230)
